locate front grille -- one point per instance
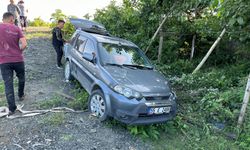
(154, 98)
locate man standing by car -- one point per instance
(14, 9)
(58, 41)
(11, 58)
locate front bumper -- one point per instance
(132, 111)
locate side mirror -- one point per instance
(90, 57)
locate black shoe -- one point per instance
(22, 98)
(11, 113)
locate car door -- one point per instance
(78, 69)
(91, 67)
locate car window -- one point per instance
(80, 44)
(73, 39)
(122, 55)
(89, 47)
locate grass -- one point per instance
(2, 95)
(192, 137)
(55, 119)
(3, 102)
(1, 88)
(81, 102)
(51, 103)
(67, 137)
(37, 35)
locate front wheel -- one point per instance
(67, 72)
(97, 105)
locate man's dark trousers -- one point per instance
(7, 71)
(59, 53)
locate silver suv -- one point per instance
(121, 81)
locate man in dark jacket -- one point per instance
(58, 41)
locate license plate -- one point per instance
(159, 110)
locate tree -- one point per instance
(58, 15)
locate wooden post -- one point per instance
(193, 45)
(210, 51)
(160, 44)
(245, 102)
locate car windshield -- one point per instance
(116, 54)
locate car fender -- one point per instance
(105, 89)
(66, 49)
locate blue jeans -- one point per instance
(7, 71)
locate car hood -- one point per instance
(144, 81)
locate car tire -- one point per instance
(97, 105)
(67, 72)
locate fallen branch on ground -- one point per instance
(4, 111)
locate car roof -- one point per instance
(106, 39)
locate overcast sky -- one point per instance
(44, 8)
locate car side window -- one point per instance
(73, 39)
(80, 44)
(89, 47)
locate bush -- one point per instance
(176, 68)
(38, 22)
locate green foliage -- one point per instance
(38, 22)
(58, 15)
(235, 14)
(177, 67)
(244, 137)
(68, 29)
(81, 102)
(145, 131)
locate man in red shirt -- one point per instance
(11, 58)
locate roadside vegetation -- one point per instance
(209, 101)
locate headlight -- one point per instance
(127, 92)
(172, 96)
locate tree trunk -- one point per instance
(245, 102)
(157, 31)
(160, 42)
(210, 51)
(193, 45)
(160, 47)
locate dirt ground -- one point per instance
(74, 130)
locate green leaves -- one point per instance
(240, 20)
(232, 21)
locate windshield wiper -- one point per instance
(113, 64)
(138, 66)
